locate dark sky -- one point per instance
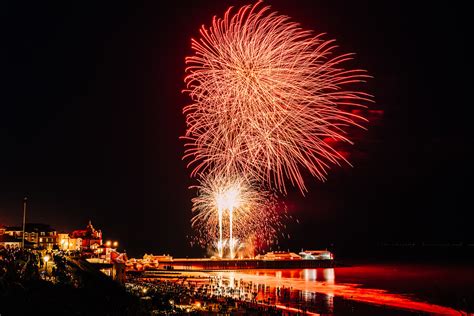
(91, 114)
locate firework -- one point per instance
(265, 94)
(230, 210)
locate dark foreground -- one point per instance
(71, 286)
(68, 286)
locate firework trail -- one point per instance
(230, 210)
(265, 95)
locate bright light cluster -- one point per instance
(266, 96)
(230, 210)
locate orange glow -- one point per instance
(347, 291)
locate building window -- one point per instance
(41, 239)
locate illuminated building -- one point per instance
(7, 241)
(279, 255)
(91, 238)
(316, 255)
(65, 242)
(39, 236)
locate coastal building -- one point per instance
(7, 241)
(67, 243)
(279, 255)
(43, 236)
(106, 250)
(156, 258)
(316, 255)
(90, 238)
(39, 236)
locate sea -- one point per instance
(360, 289)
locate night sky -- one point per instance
(91, 117)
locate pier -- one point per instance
(235, 264)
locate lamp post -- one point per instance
(46, 259)
(24, 222)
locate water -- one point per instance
(396, 289)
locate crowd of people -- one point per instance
(211, 295)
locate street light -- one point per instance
(46, 259)
(111, 244)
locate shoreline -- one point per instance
(347, 292)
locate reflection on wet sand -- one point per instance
(315, 288)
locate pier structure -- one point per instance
(231, 264)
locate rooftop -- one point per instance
(31, 227)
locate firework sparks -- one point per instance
(230, 210)
(265, 94)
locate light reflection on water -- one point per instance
(313, 289)
(276, 287)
